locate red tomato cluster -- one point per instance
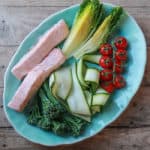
(113, 63)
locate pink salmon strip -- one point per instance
(35, 78)
(47, 42)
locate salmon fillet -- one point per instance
(50, 39)
(35, 78)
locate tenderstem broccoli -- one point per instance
(49, 114)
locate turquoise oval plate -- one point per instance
(117, 103)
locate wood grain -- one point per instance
(108, 139)
(130, 132)
(59, 3)
(6, 54)
(3, 120)
(17, 22)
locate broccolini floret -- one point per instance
(50, 106)
(49, 114)
(75, 124)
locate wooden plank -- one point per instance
(108, 139)
(47, 3)
(136, 115)
(17, 22)
(5, 55)
(3, 120)
(135, 3)
(146, 80)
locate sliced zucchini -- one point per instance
(92, 75)
(100, 99)
(76, 100)
(54, 90)
(95, 109)
(88, 96)
(87, 118)
(81, 68)
(100, 90)
(92, 58)
(92, 78)
(62, 83)
(51, 80)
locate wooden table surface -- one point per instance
(130, 132)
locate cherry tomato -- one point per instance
(118, 69)
(119, 66)
(119, 81)
(108, 86)
(106, 62)
(106, 75)
(120, 63)
(121, 55)
(106, 50)
(121, 42)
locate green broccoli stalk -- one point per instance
(34, 115)
(75, 124)
(60, 128)
(68, 125)
(44, 123)
(51, 107)
(49, 114)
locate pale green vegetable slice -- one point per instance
(51, 80)
(88, 96)
(92, 78)
(92, 75)
(87, 118)
(92, 58)
(101, 91)
(81, 69)
(61, 82)
(76, 100)
(95, 109)
(100, 99)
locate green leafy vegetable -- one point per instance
(50, 114)
(44, 123)
(60, 128)
(76, 124)
(85, 24)
(92, 78)
(34, 115)
(81, 69)
(50, 106)
(102, 34)
(92, 58)
(60, 82)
